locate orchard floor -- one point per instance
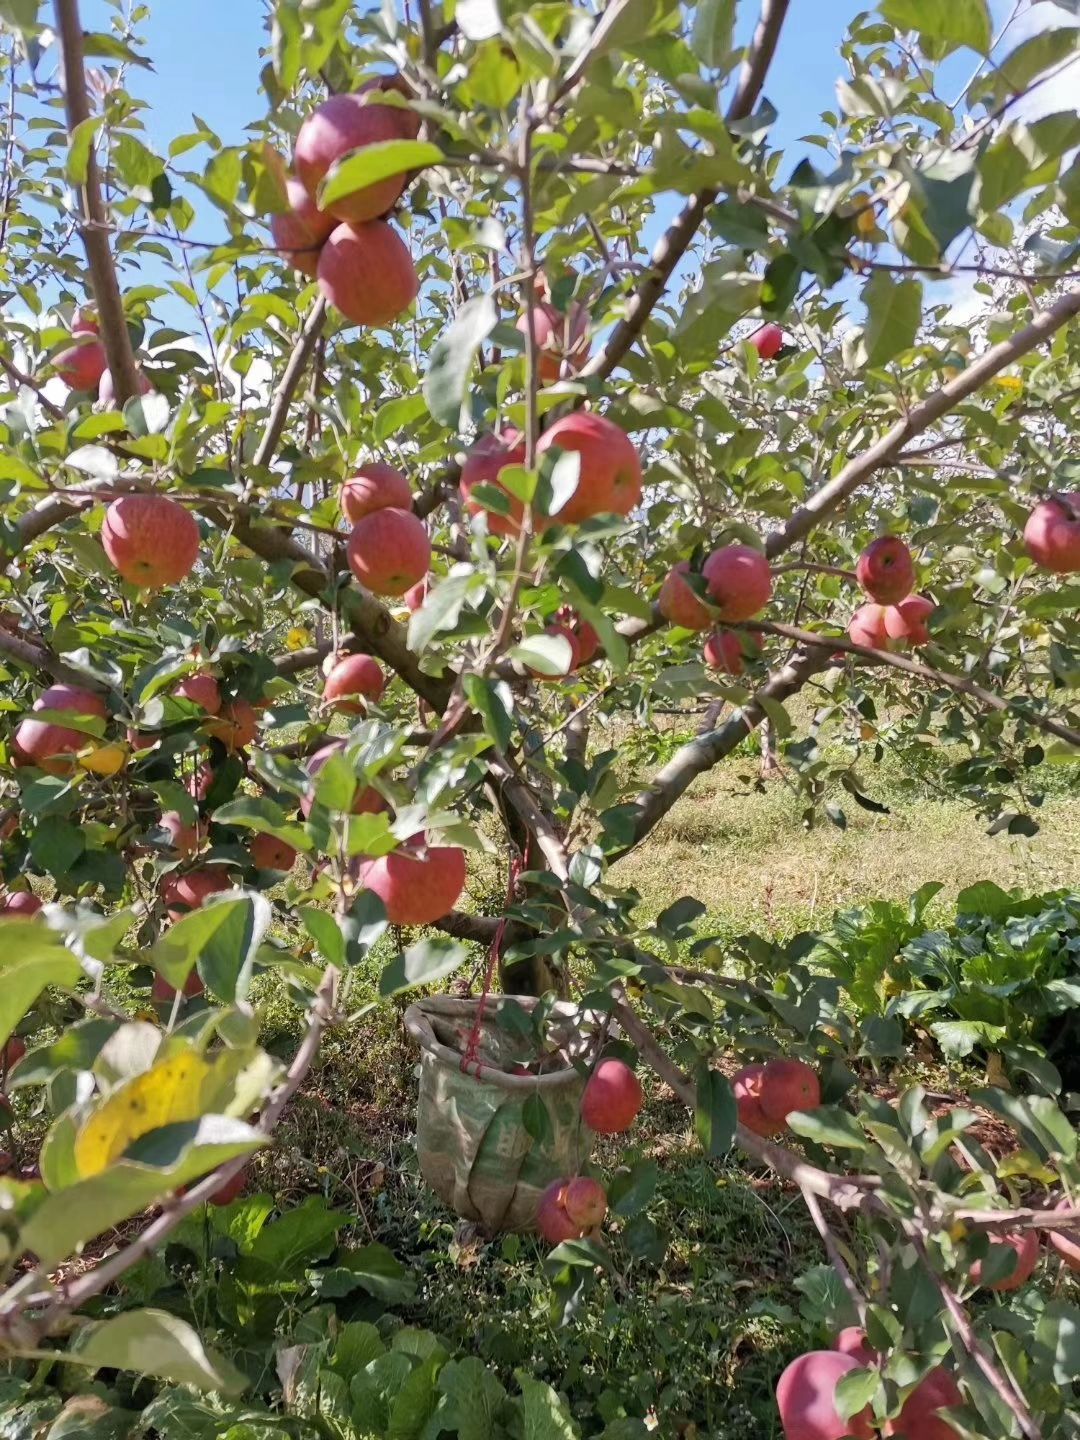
(694, 1326)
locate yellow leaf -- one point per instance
(104, 759)
(169, 1092)
(1012, 383)
(297, 638)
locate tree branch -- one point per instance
(107, 297)
(39, 658)
(287, 385)
(886, 450)
(50, 407)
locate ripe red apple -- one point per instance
(609, 481)
(299, 232)
(585, 1201)
(417, 884)
(20, 903)
(867, 627)
(13, 1052)
(184, 838)
(353, 676)
(482, 465)
(885, 570)
(341, 124)
(680, 604)
(788, 1085)
(82, 365)
(151, 540)
(231, 1190)
(768, 341)
(375, 486)
(908, 620)
(723, 651)
(416, 594)
(269, 853)
(236, 726)
(806, 1398)
(366, 801)
(918, 1418)
(746, 1086)
(107, 390)
(562, 341)
(201, 689)
(182, 893)
(1066, 1244)
(852, 1341)
(1052, 534)
(50, 746)
(162, 993)
(366, 271)
(739, 581)
(552, 1219)
(199, 784)
(583, 635)
(389, 551)
(612, 1098)
(383, 85)
(1025, 1246)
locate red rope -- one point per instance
(471, 1057)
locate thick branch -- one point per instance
(886, 450)
(673, 245)
(704, 751)
(38, 658)
(110, 305)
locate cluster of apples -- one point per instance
(765, 1095)
(83, 365)
(734, 585)
(360, 262)
(388, 548)
(574, 1206)
(886, 572)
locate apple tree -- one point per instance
(506, 387)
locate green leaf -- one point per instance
(711, 37)
(855, 1390)
(367, 166)
(894, 311)
(80, 147)
(547, 655)
(544, 1413)
(452, 356)
(260, 813)
(152, 1342)
(222, 938)
(711, 311)
(76, 1049)
(1058, 1336)
(31, 958)
(537, 1119)
(493, 701)
(373, 1268)
(1037, 1119)
(397, 414)
(943, 25)
(829, 1125)
(422, 964)
(440, 610)
(715, 1113)
(632, 1188)
(474, 1400)
(300, 1237)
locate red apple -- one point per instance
(739, 581)
(585, 1202)
(907, 621)
(1066, 1243)
(482, 465)
(852, 1341)
(612, 1098)
(918, 1418)
(389, 551)
(366, 271)
(353, 676)
(746, 1086)
(586, 640)
(1025, 1247)
(151, 540)
(162, 993)
(723, 651)
(416, 594)
(788, 1085)
(609, 481)
(201, 689)
(768, 341)
(867, 627)
(1052, 534)
(20, 903)
(182, 893)
(339, 125)
(806, 1398)
(375, 486)
(552, 1219)
(231, 1190)
(299, 232)
(384, 85)
(50, 746)
(107, 390)
(680, 604)
(562, 341)
(885, 570)
(184, 838)
(418, 883)
(199, 784)
(236, 726)
(82, 365)
(269, 853)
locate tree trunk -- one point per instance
(535, 974)
(770, 754)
